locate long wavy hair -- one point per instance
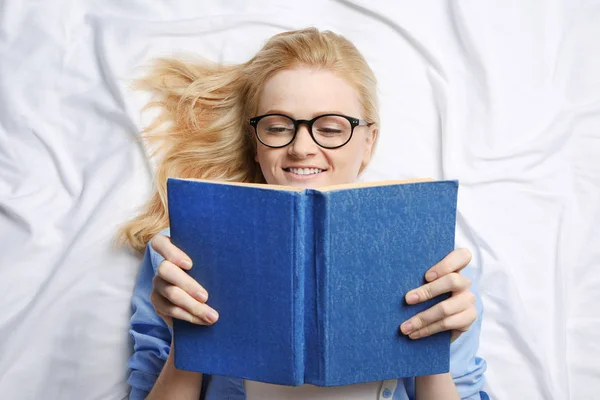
(202, 130)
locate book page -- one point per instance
(373, 184)
(346, 186)
(246, 184)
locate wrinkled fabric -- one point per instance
(503, 96)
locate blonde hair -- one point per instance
(202, 130)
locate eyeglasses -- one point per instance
(329, 131)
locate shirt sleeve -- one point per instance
(151, 335)
(466, 367)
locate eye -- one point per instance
(275, 125)
(275, 129)
(332, 126)
(329, 131)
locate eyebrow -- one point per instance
(322, 112)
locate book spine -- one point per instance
(311, 328)
(300, 260)
(320, 268)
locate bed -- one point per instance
(502, 95)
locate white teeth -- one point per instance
(305, 171)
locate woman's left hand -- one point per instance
(456, 313)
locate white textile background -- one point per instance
(502, 95)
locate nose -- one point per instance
(303, 144)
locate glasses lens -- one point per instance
(275, 130)
(332, 131)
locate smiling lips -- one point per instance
(304, 172)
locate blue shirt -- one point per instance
(152, 341)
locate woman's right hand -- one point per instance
(175, 294)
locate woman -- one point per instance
(302, 112)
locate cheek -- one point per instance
(262, 155)
(356, 158)
(268, 159)
(347, 161)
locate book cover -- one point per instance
(310, 284)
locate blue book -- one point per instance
(310, 284)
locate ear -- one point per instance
(371, 137)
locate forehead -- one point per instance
(305, 92)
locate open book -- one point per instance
(310, 284)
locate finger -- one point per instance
(176, 276)
(168, 320)
(167, 311)
(163, 246)
(452, 282)
(456, 261)
(181, 299)
(444, 309)
(461, 322)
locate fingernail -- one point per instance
(202, 296)
(185, 264)
(211, 316)
(412, 298)
(407, 327)
(430, 276)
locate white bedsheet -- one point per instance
(502, 95)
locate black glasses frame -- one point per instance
(354, 122)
